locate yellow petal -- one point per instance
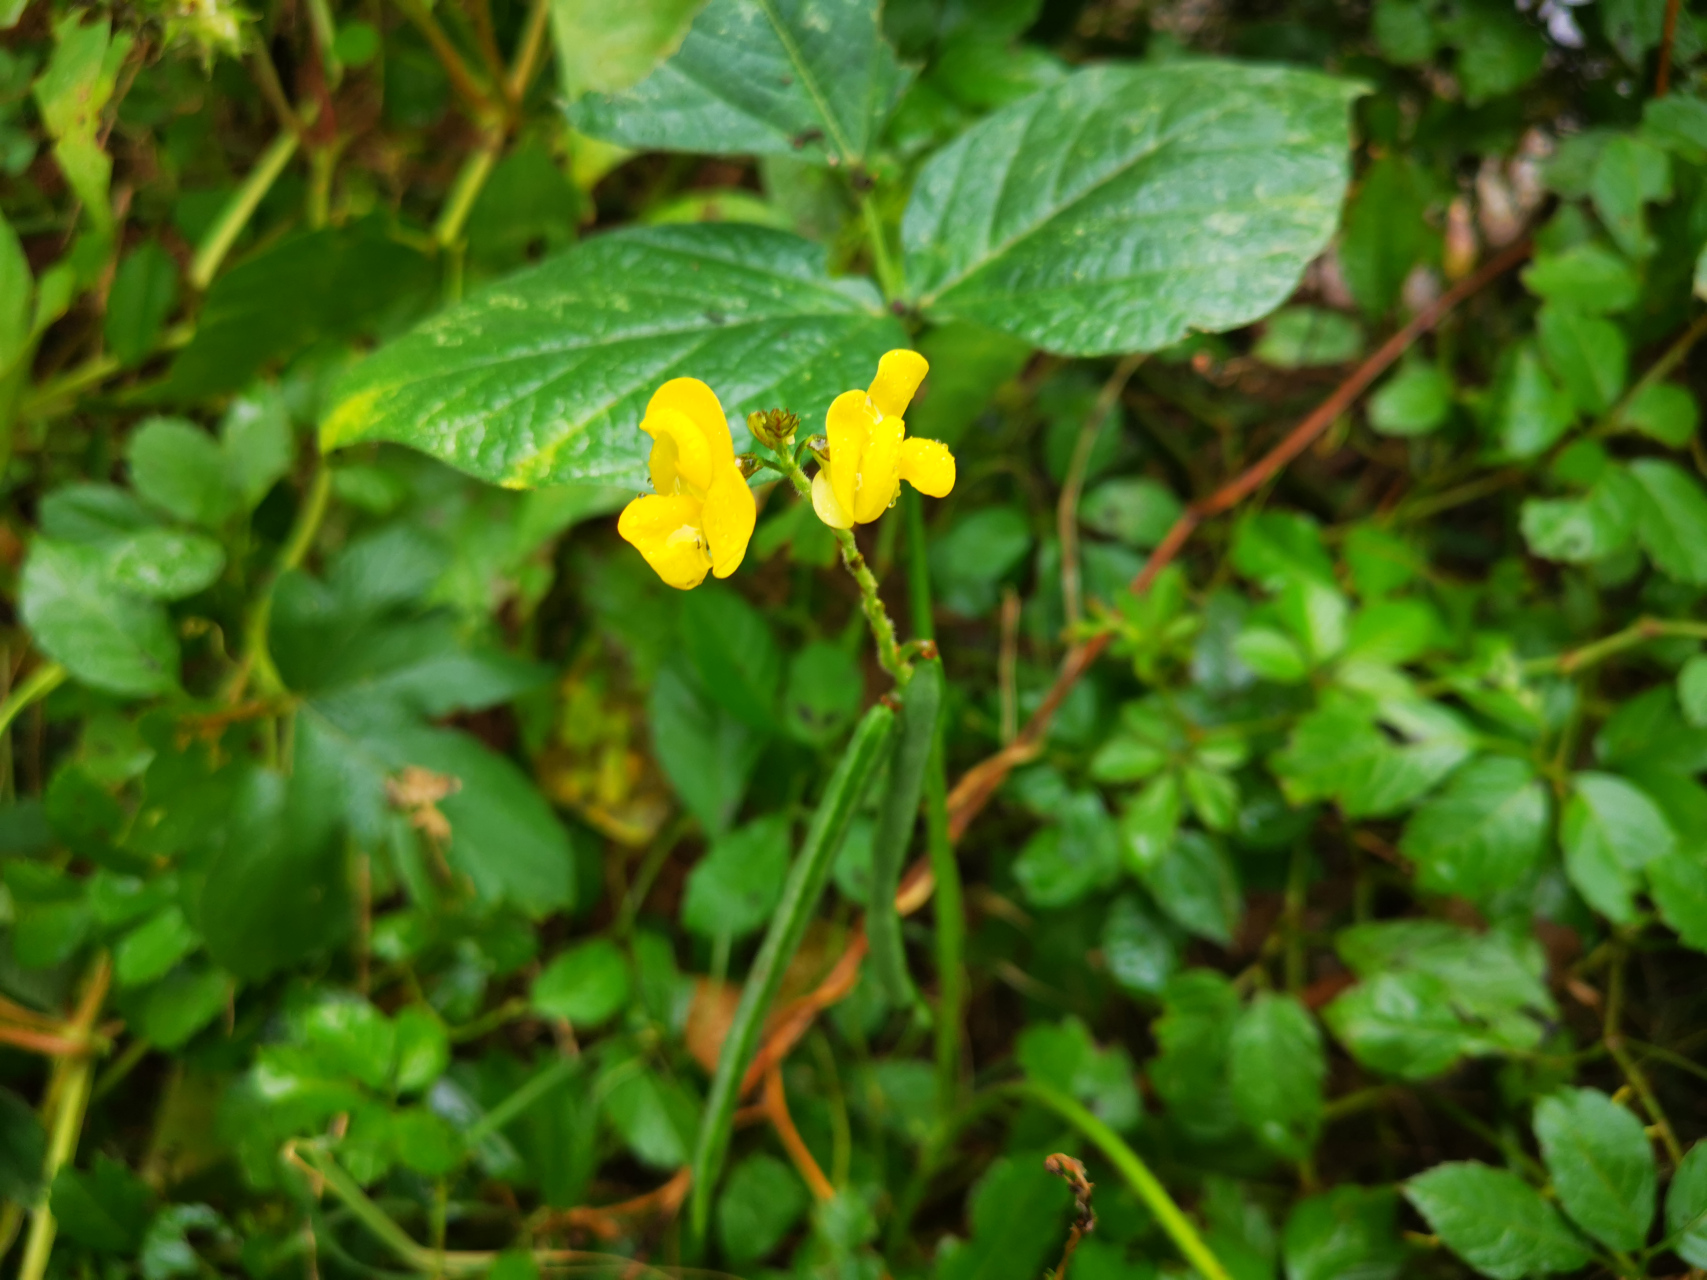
(898, 376)
(928, 466)
(666, 530)
(698, 403)
(729, 515)
(847, 425)
(681, 462)
(824, 502)
(879, 470)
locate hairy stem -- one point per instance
(889, 653)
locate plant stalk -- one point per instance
(240, 208)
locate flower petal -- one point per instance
(666, 530)
(928, 466)
(824, 502)
(879, 470)
(681, 462)
(898, 376)
(729, 515)
(699, 404)
(847, 424)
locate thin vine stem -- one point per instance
(42, 681)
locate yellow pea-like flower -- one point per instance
(702, 514)
(870, 453)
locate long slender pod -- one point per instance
(921, 702)
(806, 881)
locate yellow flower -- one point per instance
(869, 452)
(702, 513)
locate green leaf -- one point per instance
(256, 438)
(425, 1142)
(423, 1048)
(1196, 884)
(1587, 277)
(1272, 654)
(1494, 1220)
(184, 1002)
(72, 93)
(1148, 825)
(974, 556)
(588, 984)
(149, 950)
(1277, 1069)
(733, 889)
(606, 48)
(179, 468)
(823, 692)
(1586, 353)
(735, 654)
(1601, 1164)
(145, 289)
(504, 836)
(707, 753)
(543, 378)
(1672, 523)
(759, 1205)
(1583, 530)
(1016, 1210)
(1140, 951)
(1064, 1055)
(1386, 231)
(809, 78)
(1431, 994)
(1686, 1207)
(1692, 690)
(1497, 50)
(105, 1209)
(1065, 861)
(278, 891)
(1274, 548)
(1124, 206)
(1483, 834)
(1305, 337)
(1629, 173)
(655, 1116)
(348, 1036)
(1348, 1233)
(1610, 831)
(23, 1148)
(164, 564)
(1136, 510)
(1404, 31)
(1194, 1041)
(1533, 411)
(1413, 402)
(1662, 411)
(106, 639)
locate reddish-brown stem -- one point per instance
(1668, 33)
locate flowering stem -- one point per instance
(882, 628)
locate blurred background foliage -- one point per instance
(384, 849)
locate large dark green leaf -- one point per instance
(1124, 206)
(542, 378)
(809, 78)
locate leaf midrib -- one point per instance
(807, 81)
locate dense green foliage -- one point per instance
(399, 879)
